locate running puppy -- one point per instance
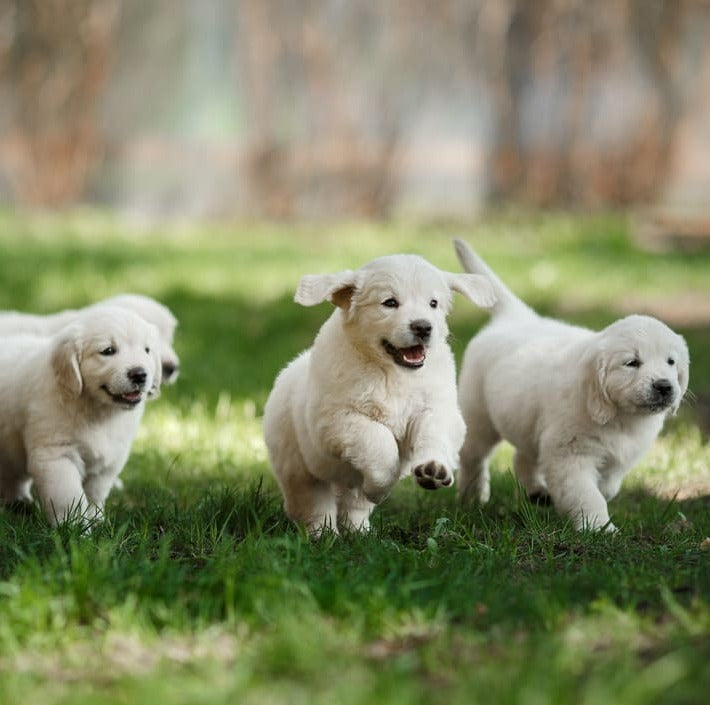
(580, 407)
(70, 406)
(374, 399)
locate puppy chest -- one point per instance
(101, 453)
(398, 415)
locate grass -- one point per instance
(197, 589)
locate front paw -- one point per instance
(433, 475)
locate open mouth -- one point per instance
(412, 357)
(127, 398)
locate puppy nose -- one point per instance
(137, 375)
(663, 387)
(421, 328)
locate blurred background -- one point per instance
(340, 109)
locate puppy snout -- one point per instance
(137, 375)
(662, 387)
(421, 328)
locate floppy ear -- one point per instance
(683, 372)
(157, 361)
(475, 287)
(154, 391)
(336, 288)
(66, 357)
(600, 407)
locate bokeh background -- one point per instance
(333, 108)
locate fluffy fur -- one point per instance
(70, 406)
(374, 399)
(580, 407)
(16, 323)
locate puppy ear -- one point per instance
(600, 407)
(475, 287)
(66, 357)
(683, 372)
(336, 288)
(157, 360)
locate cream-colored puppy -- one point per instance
(580, 407)
(16, 323)
(375, 397)
(70, 406)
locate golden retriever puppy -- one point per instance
(70, 406)
(581, 407)
(16, 323)
(374, 399)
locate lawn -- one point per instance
(196, 589)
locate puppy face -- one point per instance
(109, 356)
(395, 307)
(161, 317)
(642, 368)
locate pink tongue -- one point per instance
(414, 354)
(132, 396)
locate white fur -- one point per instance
(578, 416)
(16, 323)
(344, 422)
(60, 428)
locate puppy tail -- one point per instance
(507, 301)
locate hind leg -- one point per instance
(474, 477)
(309, 501)
(528, 474)
(354, 510)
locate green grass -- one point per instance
(196, 589)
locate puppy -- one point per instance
(375, 397)
(580, 407)
(70, 406)
(15, 323)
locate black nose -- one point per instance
(137, 375)
(421, 328)
(663, 387)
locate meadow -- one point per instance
(197, 589)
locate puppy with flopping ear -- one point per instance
(581, 407)
(374, 399)
(17, 323)
(70, 406)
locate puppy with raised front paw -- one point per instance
(374, 399)
(70, 406)
(581, 407)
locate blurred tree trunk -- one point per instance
(55, 65)
(564, 49)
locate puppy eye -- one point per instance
(106, 352)
(633, 363)
(147, 350)
(391, 303)
(433, 303)
(671, 361)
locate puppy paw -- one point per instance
(433, 475)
